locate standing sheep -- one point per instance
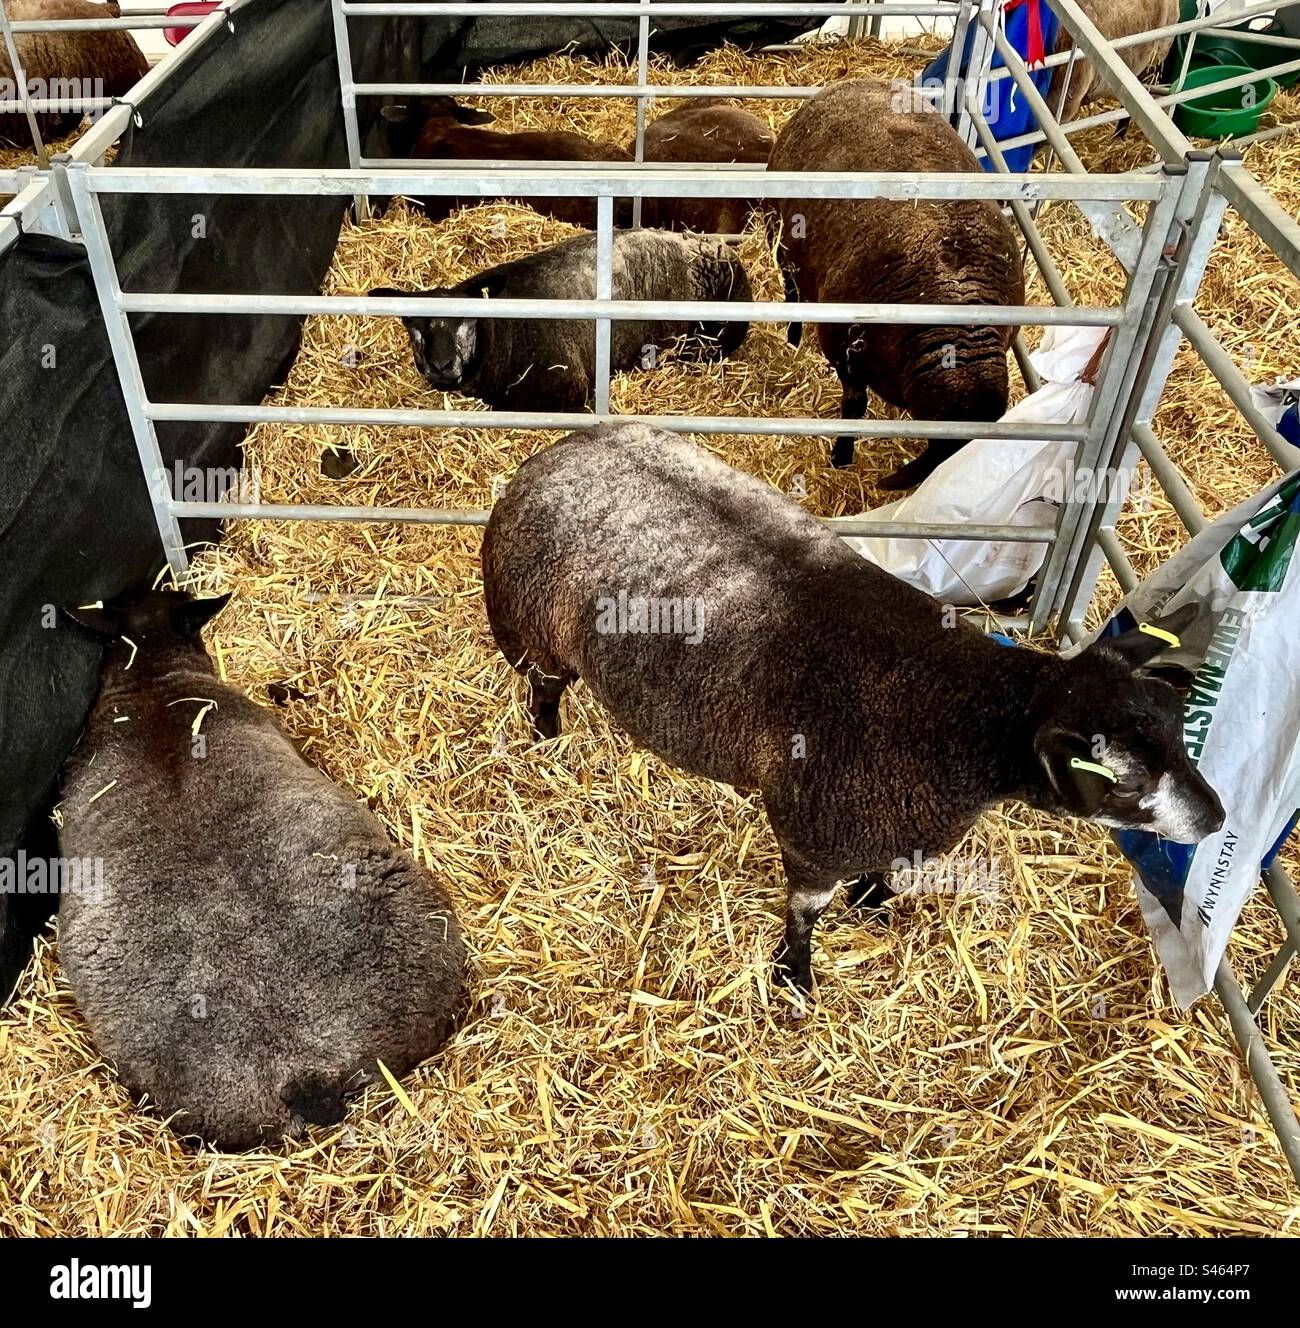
(882, 250)
(256, 943)
(550, 364)
(734, 634)
(705, 131)
(89, 64)
(444, 133)
(1114, 19)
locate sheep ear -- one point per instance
(94, 617)
(1146, 641)
(1068, 761)
(190, 615)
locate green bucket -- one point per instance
(1227, 113)
(1238, 49)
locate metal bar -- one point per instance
(977, 68)
(769, 311)
(445, 516)
(1285, 900)
(643, 81)
(1235, 385)
(1271, 976)
(118, 327)
(347, 91)
(1265, 215)
(23, 103)
(50, 105)
(127, 23)
(1115, 384)
(953, 79)
(604, 291)
(778, 427)
(1200, 210)
(679, 183)
(1272, 1091)
(632, 9)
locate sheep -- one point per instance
(704, 131)
(882, 250)
(539, 364)
(1114, 19)
(256, 944)
(104, 64)
(738, 637)
(443, 134)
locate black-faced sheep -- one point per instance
(1114, 18)
(734, 634)
(256, 943)
(550, 364)
(708, 132)
(65, 64)
(886, 251)
(442, 134)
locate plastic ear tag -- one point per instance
(1167, 637)
(1078, 763)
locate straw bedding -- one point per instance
(1005, 1062)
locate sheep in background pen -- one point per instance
(888, 251)
(705, 130)
(1114, 19)
(256, 944)
(442, 130)
(106, 64)
(734, 634)
(550, 364)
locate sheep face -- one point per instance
(1132, 726)
(446, 349)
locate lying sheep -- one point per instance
(256, 943)
(442, 134)
(1114, 19)
(705, 131)
(550, 364)
(886, 251)
(64, 64)
(735, 635)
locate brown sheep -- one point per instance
(442, 135)
(730, 631)
(705, 131)
(111, 61)
(1113, 18)
(882, 250)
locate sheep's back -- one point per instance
(1114, 19)
(257, 930)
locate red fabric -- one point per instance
(1035, 55)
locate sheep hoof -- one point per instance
(795, 970)
(842, 452)
(908, 476)
(870, 891)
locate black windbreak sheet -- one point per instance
(76, 523)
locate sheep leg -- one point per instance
(810, 892)
(870, 891)
(853, 407)
(544, 693)
(794, 332)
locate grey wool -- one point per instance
(728, 630)
(550, 364)
(898, 252)
(257, 943)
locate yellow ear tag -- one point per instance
(1078, 763)
(1167, 637)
